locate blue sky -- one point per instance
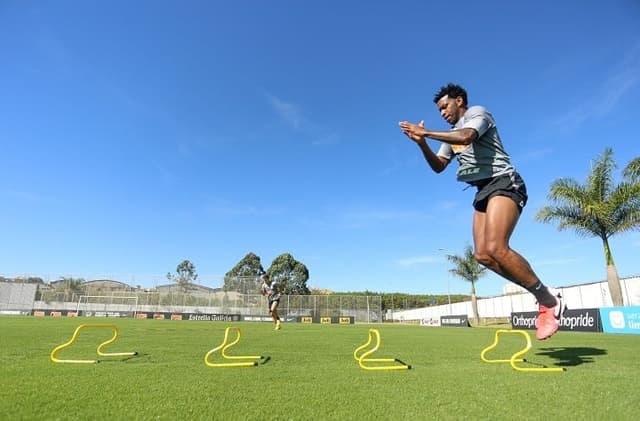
(136, 134)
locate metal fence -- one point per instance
(17, 296)
(364, 309)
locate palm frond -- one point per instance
(570, 217)
(600, 180)
(625, 208)
(632, 171)
(598, 208)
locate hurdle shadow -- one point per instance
(138, 358)
(572, 356)
(264, 360)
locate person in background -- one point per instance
(271, 290)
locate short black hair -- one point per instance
(452, 91)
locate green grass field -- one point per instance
(311, 374)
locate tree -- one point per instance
(69, 287)
(598, 208)
(402, 301)
(291, 274)
(185, 275)
(245, 275)
(468, 268)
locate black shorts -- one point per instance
(275, 299)
(509, 185)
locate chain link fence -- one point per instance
(196, 299)
(20, 296)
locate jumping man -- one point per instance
(501, 193)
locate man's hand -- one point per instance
(415, 132)
(418, 133)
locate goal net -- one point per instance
(107, 306)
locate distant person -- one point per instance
(501, 193)
(271, 289)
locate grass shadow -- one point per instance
(572, 356)
(264, 360)
(138, 357)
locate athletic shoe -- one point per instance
(277, 325)
(548, 320)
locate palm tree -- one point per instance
(468, 268)
(599, 208)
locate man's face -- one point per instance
(451, 109)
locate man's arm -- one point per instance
(437, 163)
(419, 134)
(453, 137)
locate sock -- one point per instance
(542, 294)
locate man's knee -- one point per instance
(497, 252)
(483, 258)
(491, 255)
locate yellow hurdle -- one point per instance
(226, 345)
(515, 358)
(362, 357)
(99, 350)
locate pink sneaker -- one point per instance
(548, 320)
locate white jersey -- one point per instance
(274, 288)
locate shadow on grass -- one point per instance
(264, 360)
(138, 358)
(573, 356)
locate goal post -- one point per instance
(107, 305)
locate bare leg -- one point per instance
(274, 312)
(491, 233)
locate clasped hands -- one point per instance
(415, 132)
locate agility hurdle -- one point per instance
(515, 358)
(362, 357)
(99, 351)
(226, 345)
